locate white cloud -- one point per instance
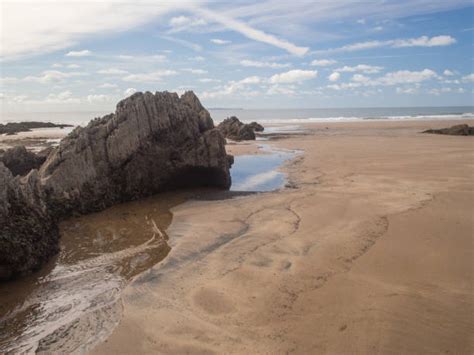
(323, 62)
(194, 46)
(112, 71)
(258, 64)
(92, 99)
(250, 80)
(344, 86)
(292, 76)
(378, 28)
(423, 41)
(181, 23)
(142, 58)
(209, 80)
(406, 77)
(73, 66)
(129, 91)
(234, 87)
(252, 33)
(108, 86)
(393, 78)
(149, 77)
(83, 53)
(220, 41)
(34, 27)
(448, 72)
(361, 21)
(455, 81)
(334, 76)
(51, 76)
(363, 68)
(359, 78)
(198, 58)
(468, 78)
(408, 91)
(277, 89)
(63, 97)
(195, 71)
(125, 57)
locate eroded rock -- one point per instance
(457, 130)
(233, 128)
(28, 235)
(152, 143)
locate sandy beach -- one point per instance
(370, 252)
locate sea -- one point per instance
(276, 115)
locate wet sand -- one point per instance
(74, 302)
(36, 139)
(370, 253)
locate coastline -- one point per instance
(356, 258)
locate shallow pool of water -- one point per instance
(260, 172)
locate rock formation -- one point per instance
(28, 233)
(152, 143)
(234, 129)
(16, 127)
(257, 127)
(20, 161)
(457, 130)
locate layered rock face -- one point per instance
(234, 129)
(152, 143)
(457, 130)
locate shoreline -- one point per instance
(256, 276)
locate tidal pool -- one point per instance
(259, 172)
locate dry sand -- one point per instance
(372, 253)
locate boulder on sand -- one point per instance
(233, 128)
(152, 143)
(457, 130)
(257, 127)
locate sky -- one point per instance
(88, 55)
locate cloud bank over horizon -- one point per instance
(88, 55)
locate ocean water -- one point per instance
(276, 115)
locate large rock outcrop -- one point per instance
(457, 130)
(152, 143)
(233, 128)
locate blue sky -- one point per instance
(69, 55)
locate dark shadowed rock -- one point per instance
(28, 234)
(233, 128)
(20, 161)
(457, 130)
(152, 143)
(257, 127)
